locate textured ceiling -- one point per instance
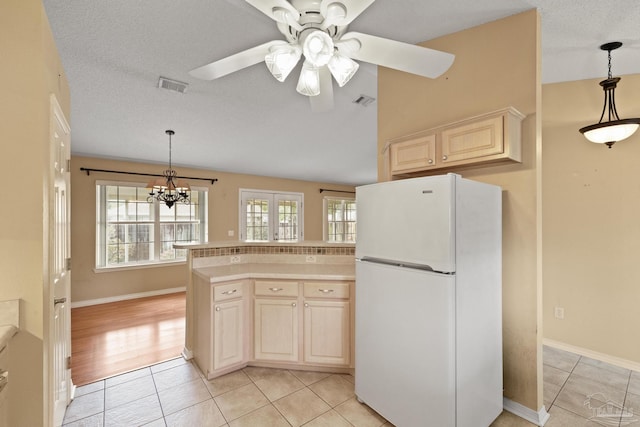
(114, 52)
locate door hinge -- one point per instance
(68, 165)
(68, 362)
(67, 264)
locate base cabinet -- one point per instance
(276, 329)
(221, 331)
(308, 323)
(282, 323)
(327, 332)
(228, 334)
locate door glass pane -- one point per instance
(257, 219)
(287, 220)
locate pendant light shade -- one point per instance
(342, 68)
(309, 81)
(613, 129)
(282, 59)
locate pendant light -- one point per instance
(168, 189)
(614, 129)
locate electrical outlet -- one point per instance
(559, 313)
(311, 258)
(235, 259)
(230, 233)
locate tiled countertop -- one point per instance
(277, 271)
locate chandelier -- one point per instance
(614, 129)
(168, 189)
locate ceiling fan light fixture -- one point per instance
(318, 48)
(614, 129)
(282, 59)
(342, 68)
(309, 80)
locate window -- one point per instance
(340, 220)
(132, 231)
(268, 216)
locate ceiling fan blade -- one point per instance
(353, 9)
(236, 62)
(268, 7)
(324, 101)
(397, 55)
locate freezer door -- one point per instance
(410, 221)
(405, 344)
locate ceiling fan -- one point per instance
(317, 30)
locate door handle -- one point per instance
(57, 301)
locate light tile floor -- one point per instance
(175, 393)
(579, 391)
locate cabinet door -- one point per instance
(417, 153)
(228, 334)
(327, 332)
(473, 141)
(276, 329)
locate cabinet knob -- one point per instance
(293, 304)
(217, 308)
(306, 305)
(430, 161)
(232, 291)
(325, 291)
(275, 289)
(444, 157)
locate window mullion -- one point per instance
(156, 231)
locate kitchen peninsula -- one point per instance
(288, 305)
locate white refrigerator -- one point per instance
(429, 301)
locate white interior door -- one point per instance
(60, 272)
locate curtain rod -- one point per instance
(89, 170)
(322, 190)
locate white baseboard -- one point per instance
(538, 418)
(187, 354)
(612, 360)
(87, 303)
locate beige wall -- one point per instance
(497, 65)
(32, 71)
(223, 216)
(591, 211)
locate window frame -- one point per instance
(325, 219)
(273, 197)
(101, 250)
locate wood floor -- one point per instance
(110, 339)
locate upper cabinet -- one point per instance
(489, 138)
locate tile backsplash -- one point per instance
(273, 250)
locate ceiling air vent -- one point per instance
(174, 85)
(363, 100)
